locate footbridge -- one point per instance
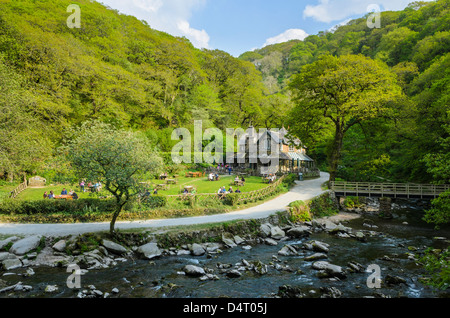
(388, 190)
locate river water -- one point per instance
(161, 278)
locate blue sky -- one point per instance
(237, 26)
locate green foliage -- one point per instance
(437, 264)
(47, 207)
(299, 212)
(323, 206)
(339, 93)
(440, 212)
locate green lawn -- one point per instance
(201, 184)
(6, 189)
(33, 194)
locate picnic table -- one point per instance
(63, 197)
(189, 188)
(161, 186)
(194, 174)
(239, 183)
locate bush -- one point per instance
(299, 212)
(232, 199)
(289, 180)
(15, 207)
(154, 202)
(324, 206)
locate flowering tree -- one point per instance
(119, 159)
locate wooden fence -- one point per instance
(392, 190)
(14, 193)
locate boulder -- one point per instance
(25, 245)
(9, 264)
(320, 247)
(114, 247)
(316, 257)
(229, 242)
(270, 241)
(394, 280)
(195, 271)
(7, 241)
(277, 233)
(60, 246)
(234, 274)
(265, 230)
(299, 231)
(287, 250)
(149, 251)
(6, 255)
(330, 270)
(238, 240)
(197, 250)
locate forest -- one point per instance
(119, 70)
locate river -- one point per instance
(388, 248)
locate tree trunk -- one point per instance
(336, 152)
(116, 215)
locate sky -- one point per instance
(238, 26)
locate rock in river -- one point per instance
(114, 247)
(330, 270)
(25, 245)
(195, 271)
(149, 251)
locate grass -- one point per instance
(34, 194)
(201, 184)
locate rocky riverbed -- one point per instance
(332, 257)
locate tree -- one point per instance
(340, 92)
(119, 159)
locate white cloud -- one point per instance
(337, 10)
(291, 34)
(199, 38)
(171, 16)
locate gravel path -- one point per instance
(302, 191)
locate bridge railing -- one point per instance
(389, 189)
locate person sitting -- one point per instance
(238, 191)
(146, 194)
(211, 177)
(45, 195)
(71, 192)
(155, 192)
(236, 179)
(230, 190)
(51, 195)
(217, 177)
(64, 192)
(75, 196)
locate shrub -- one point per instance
(46, 207)
(323, 206)
(299, 212)
(289, 180)
(154, 202)
(232, 199)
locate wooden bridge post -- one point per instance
(386, 207)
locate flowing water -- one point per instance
(161, 279)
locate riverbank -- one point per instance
(268, 258)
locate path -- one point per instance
(304, 190)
